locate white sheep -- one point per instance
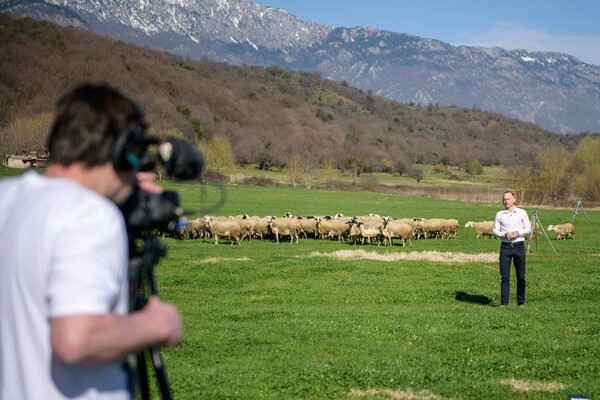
(368, 233)
(482, 228)
(224, 227)
(247, 224)
(434, 227)
(370, 221)
(333, 227)
(563, 231)
(396, 229)
(261, 226)
(308, 226)
(285, 227)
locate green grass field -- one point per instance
(296, 321)
(292, 321)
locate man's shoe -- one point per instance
(503, 305)
(521, 305)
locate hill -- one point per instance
(554, 90)
(267, 114)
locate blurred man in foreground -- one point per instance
(65, 328)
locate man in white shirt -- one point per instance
(65, 327)
(511, 225)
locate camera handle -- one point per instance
(141, 267)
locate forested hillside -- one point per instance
(268, 115)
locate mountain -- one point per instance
(554, 90)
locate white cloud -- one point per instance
(510, 36)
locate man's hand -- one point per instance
(165, 319)
(146, 182)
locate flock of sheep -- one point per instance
(365, 229)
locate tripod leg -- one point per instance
(143, 376)
(159, 371)
(549, 241)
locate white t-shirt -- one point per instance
(63, 251)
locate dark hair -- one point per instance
(88, 120)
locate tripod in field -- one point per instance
(143, 284)
(578, 205)
(536, 227)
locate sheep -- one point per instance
(261, 226)
(413, 222)
(308, 225)
(285, 227)
(434, 227)
(333, 227)
(418, 228)
(353, 232)
(396, 229)
(370, 221)
(247, 224)
(224, 227)
(482, 228)
(451, 228)
(367, 233)
(196, 228)
(563, 231)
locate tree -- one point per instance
(218, 153)
(387, 165)
(296, 170)
(587, 169)
(555, 172)
(473, 168)
(354, 166)
(416, 174)
(519, 177)
(440, 168)
(26, 134)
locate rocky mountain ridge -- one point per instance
(554, 90)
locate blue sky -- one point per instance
(566, 26)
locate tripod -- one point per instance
(536, 227)
(141, 270)
(578, 205)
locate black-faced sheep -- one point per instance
(563, 231)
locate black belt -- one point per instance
(512, 244)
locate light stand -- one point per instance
(578, 205)
(535, 224)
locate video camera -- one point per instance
(134, 150)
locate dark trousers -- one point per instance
(516, 255)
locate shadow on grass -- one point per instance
(473, 298)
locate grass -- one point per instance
(280, 321)
(268, 321)
(492, 176)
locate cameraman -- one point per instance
(65, 327)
